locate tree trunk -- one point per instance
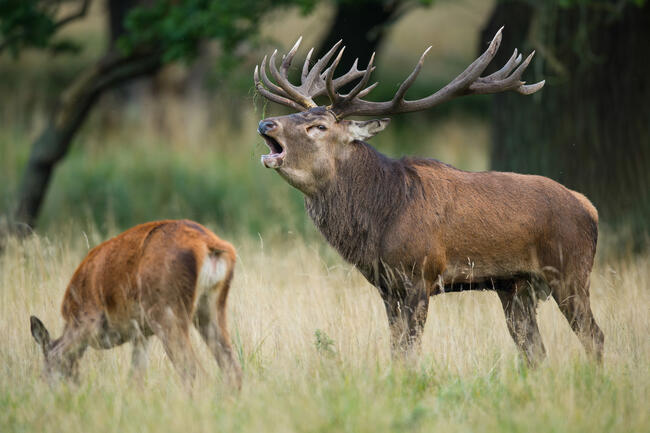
(53, 143)
(117, 12)
(361, 25)
(589, 128)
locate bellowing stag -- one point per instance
(417, 227)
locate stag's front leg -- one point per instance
(406, 308)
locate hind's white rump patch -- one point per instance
(213, 271)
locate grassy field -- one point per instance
(313, 340)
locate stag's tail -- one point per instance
(593, 213)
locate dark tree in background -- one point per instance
(362, 25)
(590, 126)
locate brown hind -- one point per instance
(154, 279)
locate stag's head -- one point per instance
(306, 147)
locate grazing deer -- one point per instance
(418, 227)
(155, 278)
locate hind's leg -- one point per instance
(210, 320)
(575, 306)
(139, 359)
(173, 330)
(520, 308)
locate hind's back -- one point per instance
(149, 260)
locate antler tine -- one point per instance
(364, 80)
(305, 67)
(507, 68)
(349, 76)
(320, 64)
(522, 88)
(283, 82)
(331, 91)
(337, 83)
(288, 58)
(529, 89)
(367, 90)
(272, 96)
(521, 68)
(511, 82)
(410, 79)
(268, 83)
(476, 68)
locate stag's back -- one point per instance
(505, 221)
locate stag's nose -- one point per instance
(266, 125)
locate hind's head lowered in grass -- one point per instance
(58, 361)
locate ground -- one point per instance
(313, 340)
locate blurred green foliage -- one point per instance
(174, 28)
(33, 24)
(127, 183)
(178, 28)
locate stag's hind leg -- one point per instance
(576, 307)
(210, 320)
(520, 308)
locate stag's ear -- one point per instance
(367, 129)
(39, 332)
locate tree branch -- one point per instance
(75, 104)
(75, 16)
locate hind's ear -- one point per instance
(39, 332)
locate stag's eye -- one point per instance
(319, 127)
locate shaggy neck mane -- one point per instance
(360, 204)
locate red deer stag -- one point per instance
(155, 278)
(418, 227)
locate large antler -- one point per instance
(312, 82)
(315, 83)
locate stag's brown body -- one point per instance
(418, 227)
(153, 279)
(430, 219)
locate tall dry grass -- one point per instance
(313, 340)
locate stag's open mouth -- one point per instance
(275, 158)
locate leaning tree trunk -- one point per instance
(589, 128)
(53, 143)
